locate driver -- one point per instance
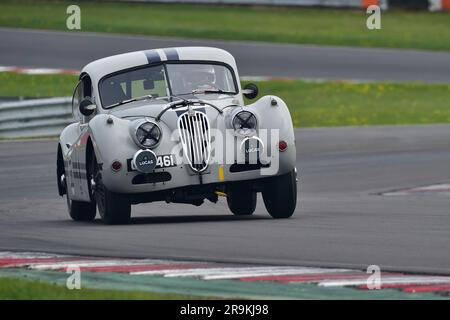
(203, 77)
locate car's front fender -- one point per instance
(112, 141)
(274, 119)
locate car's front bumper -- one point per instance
(128, 180)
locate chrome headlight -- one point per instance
(148, 134)
(244, 123)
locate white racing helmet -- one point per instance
(200, 77)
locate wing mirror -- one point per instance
(250, 91)
(87, 107)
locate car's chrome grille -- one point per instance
(195, 137)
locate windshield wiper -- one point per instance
(146, 97)
(212, 91)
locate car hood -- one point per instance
(151, 109)
(138, 109)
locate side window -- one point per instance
(87, 87)
(82, 90)
(76, 99)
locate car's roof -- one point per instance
(102, 67)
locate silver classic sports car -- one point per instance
(171, 125)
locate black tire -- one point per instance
(114, 208)
(241, 200)
(78, 210)
(81, 211)
(280, 195)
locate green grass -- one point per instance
(312, 104)
(337, 103)
(22, 85)
(400, 29)
(18, 289)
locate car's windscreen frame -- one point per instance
(166, 76)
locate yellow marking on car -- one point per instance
(221, 194)
(221, 174)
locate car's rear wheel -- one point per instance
(280, 195)
(241, 200)
(114, 208)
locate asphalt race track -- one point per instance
(341, 220)
(33, 48)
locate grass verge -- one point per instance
(18, 289)
(37, 86)
(312, 104)
(335, 103)
(400, 29)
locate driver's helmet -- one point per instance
(201, 77)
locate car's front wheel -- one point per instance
(280, 195)
(78, 210)
(114, 208)
(241, 200)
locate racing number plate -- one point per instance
(165, 161)
(162, 161)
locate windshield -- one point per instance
(132, 84)
(164, 81)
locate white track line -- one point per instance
(201, 271)
(29, 70)
(235, 272)
(387, 280)
(7, 69)
(30, 255)
(41, 71)
(437, 188)
(95, 263)
(232, 275)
